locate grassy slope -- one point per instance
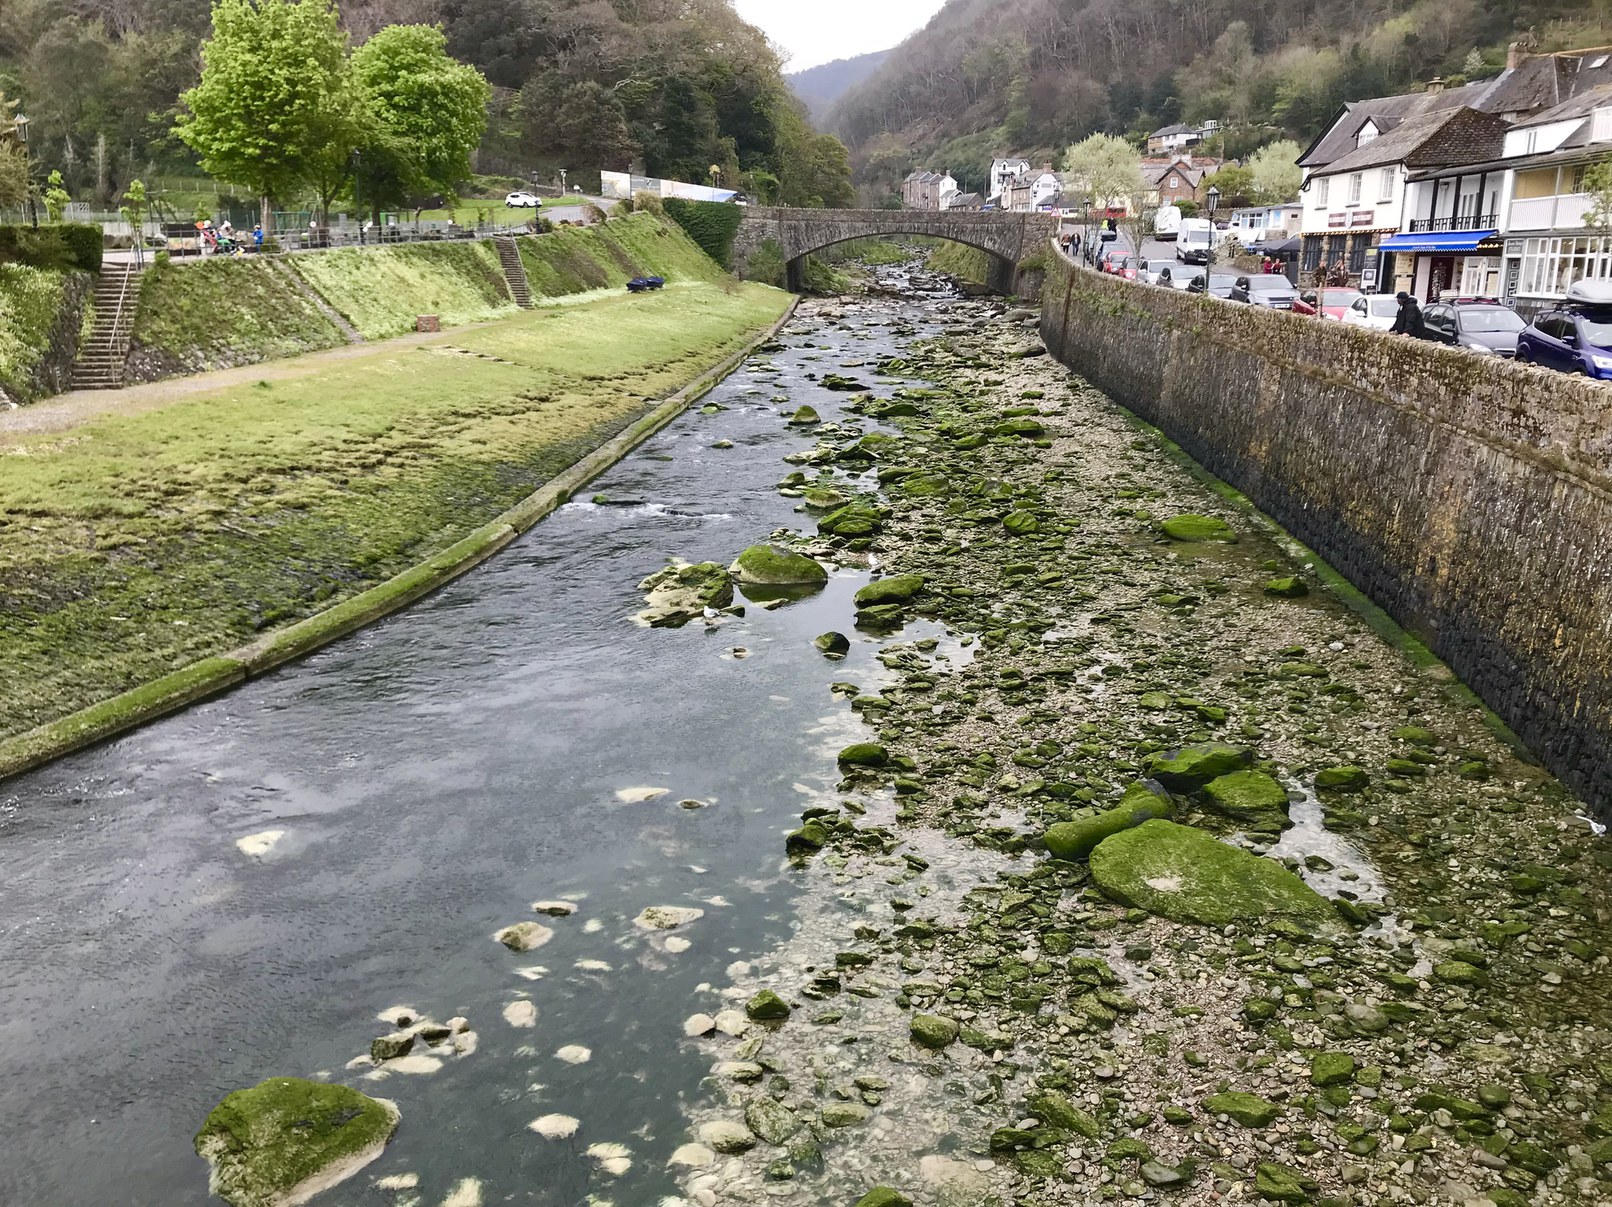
(959, 260)
(135, 545)
(30, 301)
(380, 291)
(578, 259)
(222, 312)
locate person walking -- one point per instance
(1409, 319)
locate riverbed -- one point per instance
(242, 890)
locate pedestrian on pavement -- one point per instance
(1409, 319)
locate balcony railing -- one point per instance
(1471, 222)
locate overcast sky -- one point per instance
(819, 31)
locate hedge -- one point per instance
(67, 245)
(711, 224)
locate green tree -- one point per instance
(420, 99)
(1236, 185)
(14, 182)
(273, 75)
(1276, 172)
(56, 198)
(134, 209)
(1597, 182)
(1105, 171)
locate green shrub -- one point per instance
(647, 203)
(67, 246)
(710, 224)
(767, 264)
(30, 302)
(84, 243)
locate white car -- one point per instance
(1154, 270)
(523, 201)
(1374, 310)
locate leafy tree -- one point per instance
(56, 198)
(134, 209)
(14, 182)
(1106, 171)
(584, 123)
(1276, 173)
(1236, 185)
(417, 97)
(273, 75)
(1597, 182)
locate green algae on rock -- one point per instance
(833, 645)
(863, 754)
(805, 417)
(1194, 766)
(1250, 1110)
(1289, 587)
(934, 1030)
(1342, 779)
(1196, 528)
(899, 588)
(1187, 875)
(1074, 840)
(767, 1007)
(1248, 796)
(768, 565)
(681, 593)
(286, 1139)
(883, 1196)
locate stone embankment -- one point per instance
(1309, 931)
(1471, 498)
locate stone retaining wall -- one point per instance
(1471, 498)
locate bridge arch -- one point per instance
(1005, 237)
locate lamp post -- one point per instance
(20, 124)
(562, 182)
(1211, 203)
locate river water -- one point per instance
(429, 779)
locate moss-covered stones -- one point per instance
(934, 1031)
(286, 1139)
(1021, 523)
(854, 521)
(1342, 779)
(1251, 797)
(897, 589)
(767, 1007)
(1191, 767)
(1197, 528)
(1289, 586)
(863, 754)
(1249, 1110)
(1187, 875)
(1075, 840)
(1331, 1068)
(832, 645)
(1281, 1184)
(883, 1196)
(681, 593)
(805, 416)
(768, 565)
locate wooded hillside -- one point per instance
(822, 86)
(989, 76)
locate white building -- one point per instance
(1003, 172)
(925, 190)
(1032, 189)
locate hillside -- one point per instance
(820, 87)
(1037, 75)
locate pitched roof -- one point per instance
(1178, 128)
(1386, 112)
(1581, 105)
(1428, 140)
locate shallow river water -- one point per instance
(431, 778)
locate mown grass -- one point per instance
(381, 291)
(132, 546)
(578, 259)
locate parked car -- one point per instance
(1182, 276)
(1220, 284)
(1272, 290)
(1167, 222)
(1193, 241)
(1575, 337)
(523, 201)
(1481, 325)
(1158, 272)
(1373, 310)
(1333, 301)
(1305, 303)
(1117, 263)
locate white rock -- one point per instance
(726, 1136)
(594, 966)
(458, 1023)
(414, 1062)
(667, 917)
(693, 1156)
(464, 1042)
(466, 1194)
(398, 1181)
(255, 846)
(676, 946)
(399, 1016)
(574, 1054)
(614, 1159)
(637, 796)
(555, 909)
(732, 1022)
(555, 1127)
(522, 1013)
(524, 936)
(698, 1024)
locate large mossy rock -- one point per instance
(283, 1141)
(1074, 840)
(1187, 875)
(855, 519)
(1192, 767)
(898, 589)
(1249, 796)
(679, 594)
(1197, 528)
(768, 565)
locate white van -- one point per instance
(1194, 238)
(1167, 222)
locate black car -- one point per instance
(1480, 325)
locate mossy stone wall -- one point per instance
(1471, 498)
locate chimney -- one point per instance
(1435, 85)
(1513, 56)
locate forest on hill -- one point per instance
(991, 76)
(675, 86)
(821, 86)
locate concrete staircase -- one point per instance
(103, 355)
(509, 255)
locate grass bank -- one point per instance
(133, 546)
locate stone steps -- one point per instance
(102, 357)
(509, 256)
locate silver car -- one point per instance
(1159, 272)
(1272, 290)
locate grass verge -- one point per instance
(134, 547)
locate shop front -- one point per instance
(1539, 269)
(1433, 263)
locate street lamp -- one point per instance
(1211, 203)
(562, 182)
(20, 124)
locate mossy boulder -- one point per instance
(681, 593)
(1022, 427)
(863, 754)
(1021, 523)
(898, 589)
(855, 519)
(284, 1140)
(1250, 1110)
(1192, 767)
(1187, 875)
(1281, 1184)
(767, 1007)
(883, 1196)
(846, 385)
(810, 838)
(1074, 840)
(934, 1030)
(1195, 528)
(822, 498)
(1331, 1068)
(1055, 1110)
(1248, 796)
(805, 417)
(768, 565)
(926, 486)
(1342, 779)
(834, 645)
(1288, 587)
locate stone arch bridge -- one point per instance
(1005, 237)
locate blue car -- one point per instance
(1575, 337)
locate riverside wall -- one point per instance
(1470, 498)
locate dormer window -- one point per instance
(1368, 133)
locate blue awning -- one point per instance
(1440, 241)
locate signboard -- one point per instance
(1368, 274)
(1337, 219)
(1362, 217)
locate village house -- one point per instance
(1003, 172)
(926, 190)
(1031, 189)
(1173, 138)
(1177, 178)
